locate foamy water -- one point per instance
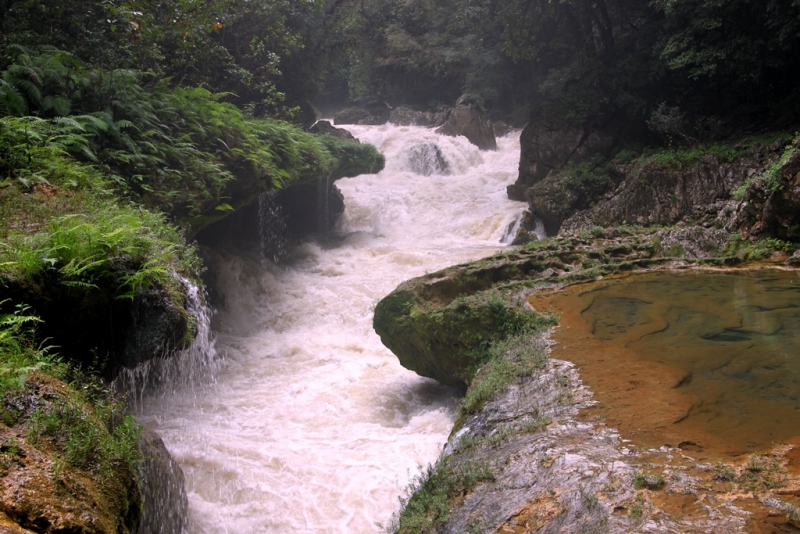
(312, 425)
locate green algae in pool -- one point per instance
(735, 335)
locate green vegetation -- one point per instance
(508, 359)
(757, 250)
(770, 178)
(674, 72)
(20, 356)
(643, 479)
(431, 493)
(88, 428)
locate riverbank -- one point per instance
(524, 455)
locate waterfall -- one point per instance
(194, 366)
(311, 425)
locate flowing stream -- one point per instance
(311, 425)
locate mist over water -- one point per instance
(311, 425)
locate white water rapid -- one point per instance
(311, 425)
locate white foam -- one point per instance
(312, 425)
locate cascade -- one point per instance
(193, 366)
(311, 425)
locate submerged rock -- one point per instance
(427, 159)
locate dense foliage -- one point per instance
(684, 69)
(126, 127)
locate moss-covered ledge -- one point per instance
(519, 457)
(441, 325)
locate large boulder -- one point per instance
(326, 128)
(373, 113)
(544, 148)
(404, 116)
(469, 119)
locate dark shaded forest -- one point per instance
(679, 70)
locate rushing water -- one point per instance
(312, 425)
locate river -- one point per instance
(310, 425)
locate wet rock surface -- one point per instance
(164, 499)
(43, 492)
(543, 462)
(403, 116)
(427, 159)
(326, 128)
(545, 148)
(468, 118)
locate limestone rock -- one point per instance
(500, 128)
(469, 119)
(163, 492)
(427, 159)
(552, 201)
(692, 242)
(326, 128)
(404, 116)
(771, 207)
(544, 148)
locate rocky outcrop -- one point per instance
(326, 128)
(654, 193)
(469, 119)
(374, 113)
(545, 148)
(519, 458)
(55, 475)
(770, 206)
(751, 188)
(95, 328)
(403, 116)
(164, 499)
(500, 128)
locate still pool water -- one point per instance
(707, 360)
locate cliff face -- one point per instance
(750, 186)
(520, 457)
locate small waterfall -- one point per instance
(271, 228)
(510, 233)
(538, 229)
(193, 366)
